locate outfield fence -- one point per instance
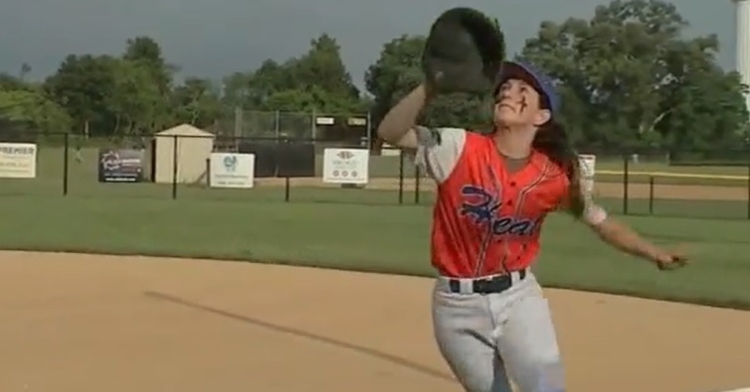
(179, 166)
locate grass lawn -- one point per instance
(88, 188)
(383, 237)
(364, 230)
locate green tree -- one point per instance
(24, 71)
(322, 67)
(106, 95)
(146, 53)
(11, 83)
(253, 89)
(197, 102)
(629, 79)
(146, 50)
(83, 86)
(395, 73)
(135, 101)
(33, 112)
(236, 89)
(316, 81)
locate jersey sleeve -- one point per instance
(438, 150)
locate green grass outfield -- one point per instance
(346, 234)
(92, 190)
(361, 230)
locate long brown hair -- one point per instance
(552, 140)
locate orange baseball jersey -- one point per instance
(486, 219)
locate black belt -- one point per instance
(493, 285)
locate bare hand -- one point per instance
(668, 261)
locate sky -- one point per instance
(212, 38)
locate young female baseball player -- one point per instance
(493, 194)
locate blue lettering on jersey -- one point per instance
(483, 206)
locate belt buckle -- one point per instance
(502, 282)
(480, 286)
(493, 285)
(487, 286)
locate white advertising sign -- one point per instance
(346, 165)
(230, 170)
(18, 160)
(588, 171)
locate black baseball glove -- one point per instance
(463, 52)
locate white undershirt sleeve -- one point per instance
(438, 150)
(593, 214)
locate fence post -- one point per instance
(277, 124)
(651, 195)
(400, 177)
(625, 182)
(208, 172)
(368, 129)
(238, 121)
(417, 175)
(313, 120)
(287, 189)
(66, 152)
(174, 167)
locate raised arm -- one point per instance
(435, 150)
(397, 127)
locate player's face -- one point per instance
(518, 104)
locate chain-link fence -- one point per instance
(182, 165)
(296, 125)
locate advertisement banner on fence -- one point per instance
(588, 170)
(230, 170)
(18, 160)
(120, 165)
(346, 165)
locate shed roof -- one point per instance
(185, 130)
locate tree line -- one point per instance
(628, 76)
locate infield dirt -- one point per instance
(73, 323)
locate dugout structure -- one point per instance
(185, 145)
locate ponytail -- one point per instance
(552, 140)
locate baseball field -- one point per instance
(116, 287)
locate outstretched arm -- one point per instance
(626, 239)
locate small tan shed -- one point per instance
(194, 147)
